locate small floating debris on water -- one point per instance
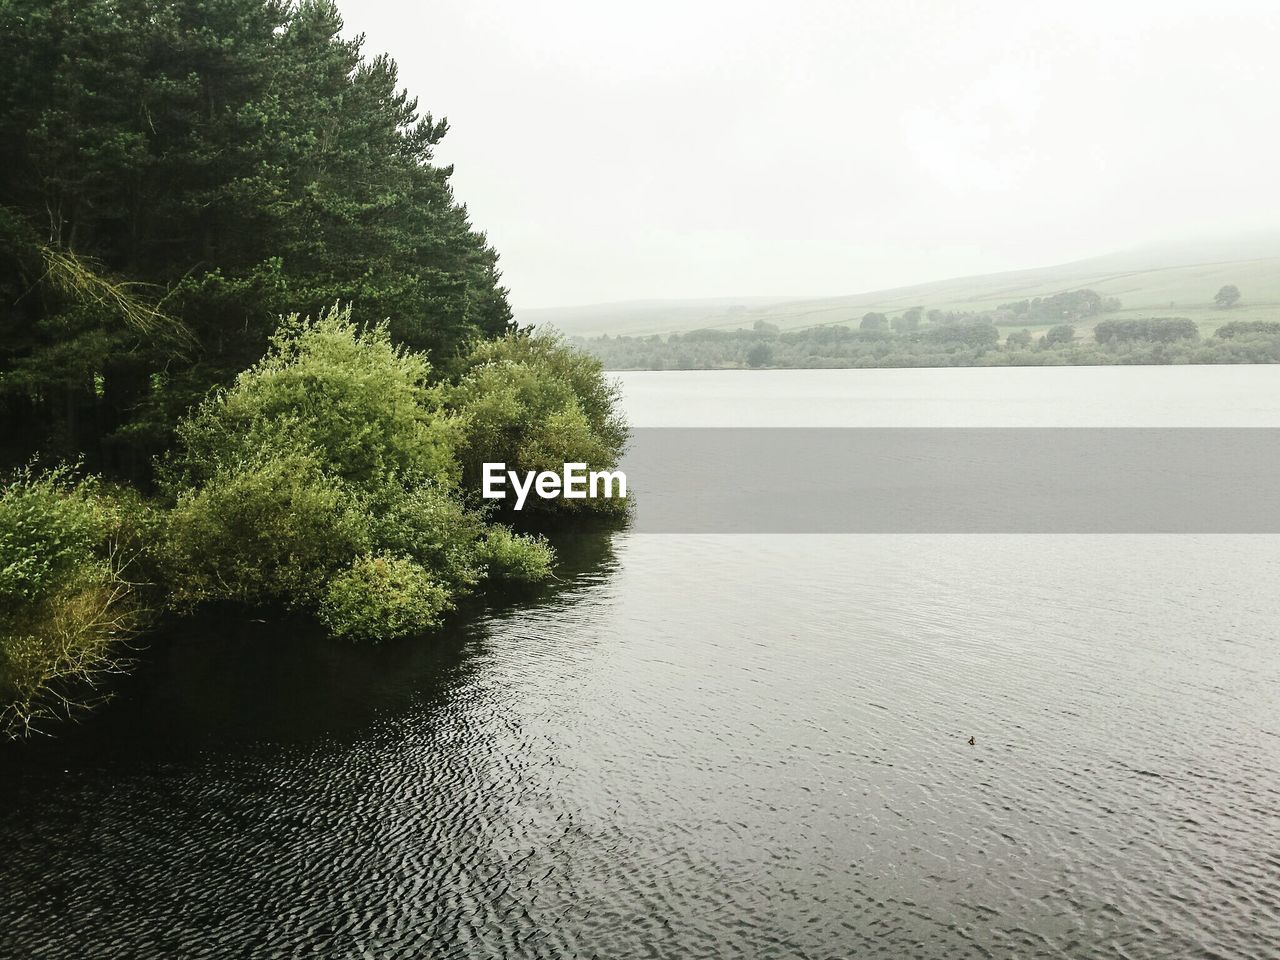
(972, 741)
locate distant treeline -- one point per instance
(1060, 307)
(951, 340)
(1068, 306)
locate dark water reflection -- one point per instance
(226, 681)
(697, 747)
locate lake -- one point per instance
(714, 746)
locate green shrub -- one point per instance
(50, 527)
(534, 403)
(548, 354)
(516, 557)
(381, 597)
(135, 527)
(428, 523)
(331, 451)
(273, 528)
(358, 403)
(66, 606)
(324, 479)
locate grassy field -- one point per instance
(1149, 283)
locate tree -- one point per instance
(1018, 340)
(909, 321)
(1066, 305)
(1245, 328)
(347, 397)
(178, 176)
(760, 355)
(1227, 296)
(979, 334)
(1062, 333)
(874, 322)
(1146, 330)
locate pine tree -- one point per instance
(176, 176)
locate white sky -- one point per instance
(811, 147)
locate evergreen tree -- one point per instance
(176, 176)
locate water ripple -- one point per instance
(706, 747)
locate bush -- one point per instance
(1146, 330)
(324, 471)
(427, 522)
(65, 604)
(1244, 328)
(516, 558)
(324, 479)
(347, 395)
(272, 529)
(380, 597)
(534, 403)
(1063, 333)
(50, 528)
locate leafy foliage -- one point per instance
(978, 335)
(271, 528)
(512, 557)
(343, 394)
(535, 403)
(759, 355)
(1228, 296)
(1065, 306)
(382, 597)
(1060, 334)
(948, 340)
(1018, 340)
(178, 176)
(1248, 328)
(50, 527)
(66, 606)
(325, 478)
(325, 470)
(1146, 330)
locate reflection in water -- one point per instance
(697, 747)
(226, 681)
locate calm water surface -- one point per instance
(714, 746)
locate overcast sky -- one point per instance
(813, 147)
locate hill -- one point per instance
(1167, 280)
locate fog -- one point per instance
(677, 150)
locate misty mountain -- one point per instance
(1175, 277)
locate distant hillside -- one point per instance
(1154, 281)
